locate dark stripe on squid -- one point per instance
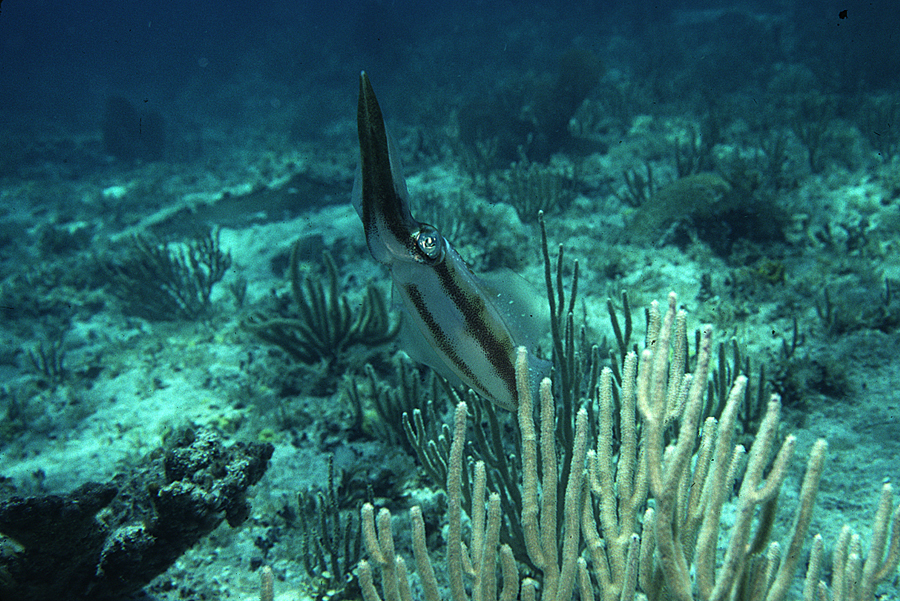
(495, 348)
(438, 333)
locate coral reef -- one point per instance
(745, 156)
(103, 541)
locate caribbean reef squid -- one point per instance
(454, 321)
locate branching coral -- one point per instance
(324, 325)
(664, 550)
(162, 281)
(331, 541)
(534, 187)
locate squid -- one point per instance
(460, 325)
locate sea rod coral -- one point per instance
(677, 547)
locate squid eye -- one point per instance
(430, 243)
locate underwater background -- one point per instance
(199, 358)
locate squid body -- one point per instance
(465, 330)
